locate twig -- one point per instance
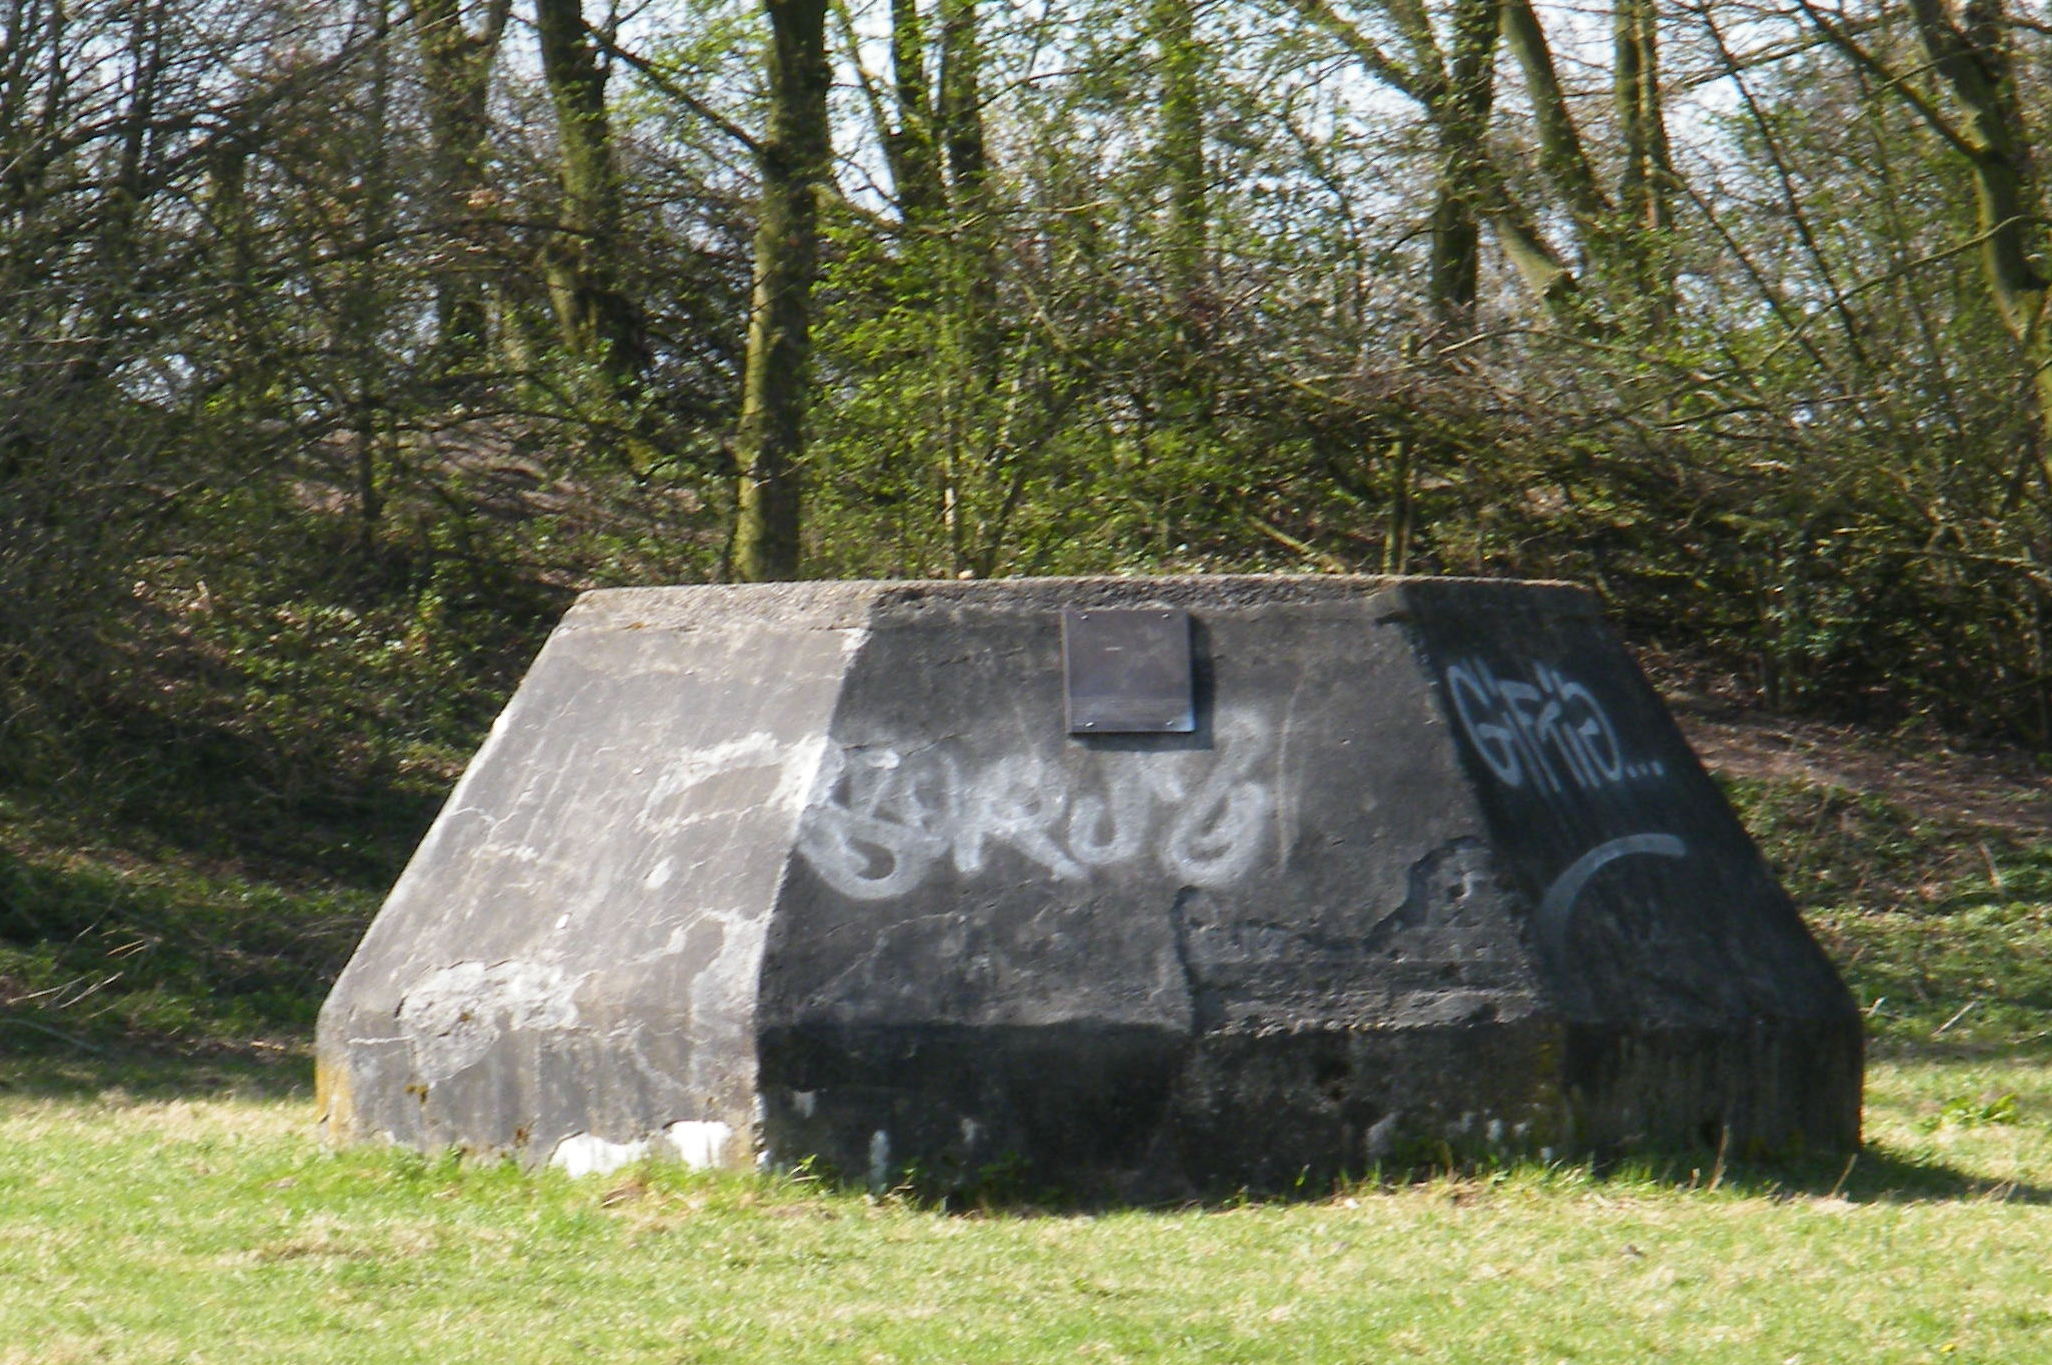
(1842, 1176)
(58, 1034)
(1995, 878)
(96, 986)
(664, 82)
(1957, 1015)
(38, 995)
(1717, 1166)
(1331, 563)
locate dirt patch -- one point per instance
(1926, 779)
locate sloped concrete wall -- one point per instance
(572, 953)
(1697, 1008)
(816, 872)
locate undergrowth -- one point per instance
(1942, 928)
(106, 945)
(227, 935)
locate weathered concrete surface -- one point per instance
(816, 871)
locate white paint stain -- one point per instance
(583, 1154)
(794, 763)
(1381, 1139)
(698, 1143)
(972, 1132)
(879, 1159)
(451, 1017)
(884, 817)
(804, 1101)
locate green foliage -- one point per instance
(1969, 1111)
(256, 515)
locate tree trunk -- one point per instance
(1646, 176)
(1185, 232)
(971, 224)
(770, 440)
(365, 308)
(1974, 61)
(1461, 115)
(596, 320)
(911, 147)
(1457, 98)
(1561, 154)
(1970, 54)
(456, 70)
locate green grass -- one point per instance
(162, 1196)
(1943, 929)
(145, 1226)
(106, 946)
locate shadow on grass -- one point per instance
(49, 1070)
(251, 1071)
(1875, 1175)
(1886, 1048)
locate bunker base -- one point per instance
(1132, 887)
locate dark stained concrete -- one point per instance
(817, 871)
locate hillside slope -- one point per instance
(1926, 871)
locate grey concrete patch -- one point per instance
(819, 872)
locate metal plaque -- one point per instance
(1127, 672)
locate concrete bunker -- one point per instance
(1132, 886)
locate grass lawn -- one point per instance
(138, 1223)
(180, 1209)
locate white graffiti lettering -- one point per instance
(1550, 734)
(884, 817)
(1557, 906)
